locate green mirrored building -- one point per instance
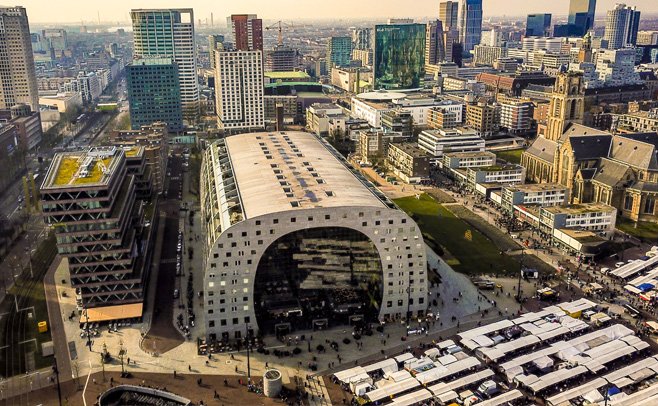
(399, 56)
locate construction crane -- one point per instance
(279, 24)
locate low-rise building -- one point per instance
(11, 160)
(499, 174)
(373, 143)
(153, 140)
(638, 122)
(352, 79)
(61, 101)
(398, 120)
(439, 119)
(286, 76)
(462, 160)
(409, 162)
(484, 118)
(516, 116)
(438, 142)
(539, 194)
(453, 113)
(27, 123)
(595, 217)
(319, 115)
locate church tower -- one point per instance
(567, 104)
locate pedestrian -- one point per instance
(189, 368)
(174, 374)
(128, 360)
(225, 382)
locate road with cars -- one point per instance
(163, 335)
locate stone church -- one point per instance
(620, 170)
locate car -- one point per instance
(620, 264)
(176, 294)
(604, 271)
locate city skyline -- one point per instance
(118, 11)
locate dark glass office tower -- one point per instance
(581, 15)
(399, 56)
(538, 25)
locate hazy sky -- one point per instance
(40, 11)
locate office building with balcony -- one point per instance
(408, 162)
(89, 198)
(439, 142)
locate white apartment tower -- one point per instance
(18, 83)
(621, 25)
(239, 90)
(169, 33)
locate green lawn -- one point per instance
(471, 255)
(644, 230)
(512, 156)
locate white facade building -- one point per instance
(462, 160)
(595, 217)
(438, 142)
(617, 67)
(369, 111)
(542, 43)
(239, 90)
(274, 204)
(538, 194)
(621, 24)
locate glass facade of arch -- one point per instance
(399, 56)
(331, 273)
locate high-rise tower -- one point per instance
(621, 25)
(449, 14)
(18, 83)
(470, 24)
(247, 32)
(169, 33)
(581, 15)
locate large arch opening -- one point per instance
(307, 276)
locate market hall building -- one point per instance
(297, 240)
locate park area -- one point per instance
(464, 248)
(643, 230)
(512, 156)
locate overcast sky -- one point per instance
(40, 11)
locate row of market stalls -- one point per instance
(509, 362)
(609, 385)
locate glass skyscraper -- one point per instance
(154, 93)
(538, 25)
(339, 51)
(470, 24)
(399, 56)
(581, 15)
(169, 33)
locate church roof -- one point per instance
(638, 150)
(573, 129)
(543, 149)
(610, 173)
(645, 187)
(587, 147)
(587, 173)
